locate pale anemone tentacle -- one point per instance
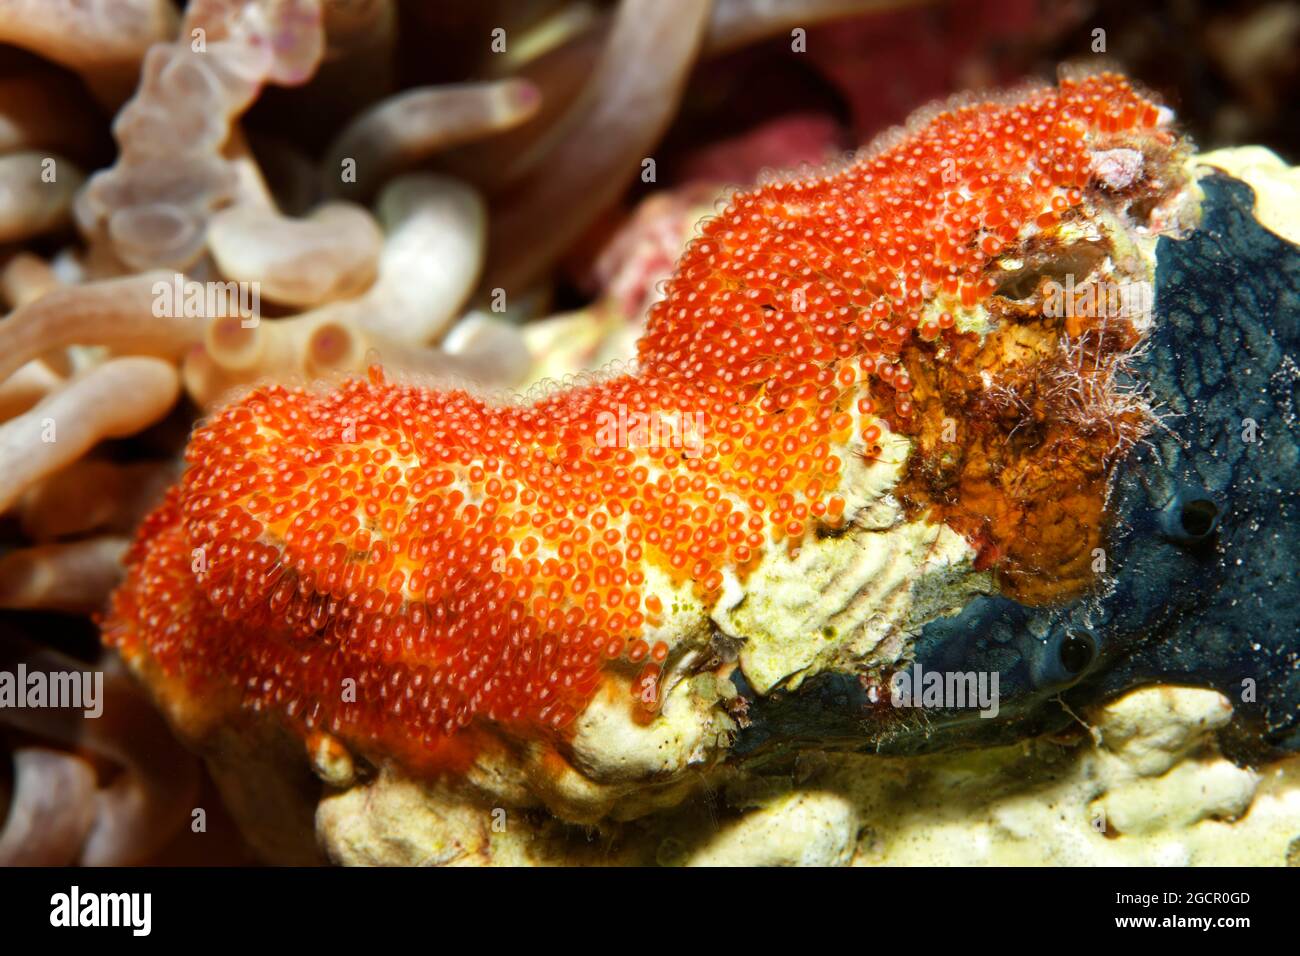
(414, 124)
(103, 40)
(433, 254)
(93, 495)
(25, 278)
(27, 386)
(331, 254)
(52, 809)
(117, 398)
(135, 315)
(737, 23)
(36, 194)
(74, 577)
(591, 154)
(431, 258)
(152, 207)
(140, 808)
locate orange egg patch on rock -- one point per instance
(397, 565)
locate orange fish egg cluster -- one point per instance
(393, 563)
